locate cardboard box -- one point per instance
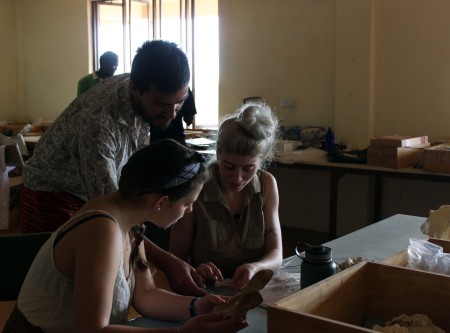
(393, 157)
(401, 258)
(283, 146)
(365, 293)
(399, 141)
(437, 158)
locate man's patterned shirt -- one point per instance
(84, 150)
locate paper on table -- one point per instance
(281, 285)
(200, 142)
(220, 288)
(313, 155)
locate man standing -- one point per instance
(176, 128)
(82, 154)
(108, 65)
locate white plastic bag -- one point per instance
(428, 256)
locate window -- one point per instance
(122, 26)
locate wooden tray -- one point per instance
(369, 291)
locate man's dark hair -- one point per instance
(108, 58)
(161, 64)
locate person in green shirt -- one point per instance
(108, 65)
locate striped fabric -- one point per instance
(45, 211)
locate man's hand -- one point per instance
(182, 277)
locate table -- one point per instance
(257, 319)
(377, 241)
(316, 159)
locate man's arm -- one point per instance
(97, 168)
(82, 86)
(182, 277)
(189, 110)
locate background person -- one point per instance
(82, 154)
(234, 229)
(108, 66)
(95, 264)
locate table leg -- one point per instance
(335, 176)
(378, 190)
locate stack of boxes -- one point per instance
(396, 151)
(437, 158)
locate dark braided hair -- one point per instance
(136, 261)
(165, 167)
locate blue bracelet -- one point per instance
(192, 307)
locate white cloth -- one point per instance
(46, 297)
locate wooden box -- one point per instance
(399, 141)
(283, 146)
(401, 258)
(437, 158)
(393, 157)
(365, 293)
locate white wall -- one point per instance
(279, 49)
(413, 67)
(355, 79)
(49, 40)
(9, 87)
(55, 53)
(365, 67)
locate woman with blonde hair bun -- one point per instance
(234, 230)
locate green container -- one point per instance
(317, 264)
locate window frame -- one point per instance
(154, 17)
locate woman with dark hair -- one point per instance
(93, 268)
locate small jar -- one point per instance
(317, 264)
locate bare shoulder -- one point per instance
(97, 240)
(105, 229)
(95, 229)
(269, 179)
